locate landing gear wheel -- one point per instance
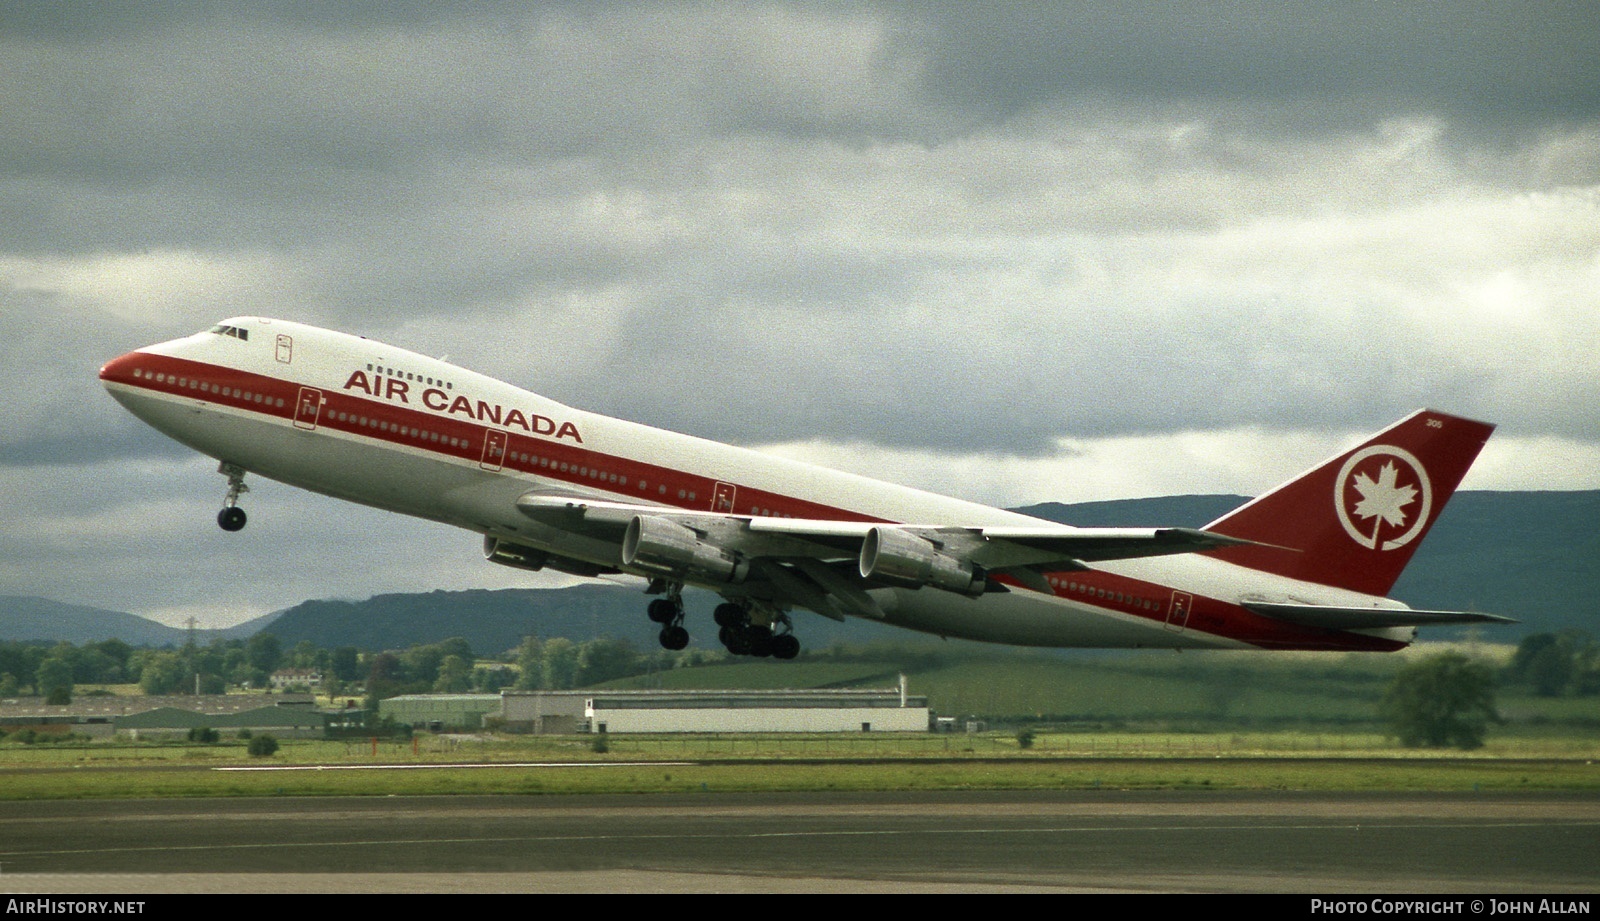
(760, 639)
(674, 638)
(729, 614)
(231, 518)
(668, 612)
(785, 646)
(663, 611)
(736, 639)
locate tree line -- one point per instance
(54, 670)
(1445, 699)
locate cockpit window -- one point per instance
(223, 329)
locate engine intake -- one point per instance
(661, 545)
(898, 558)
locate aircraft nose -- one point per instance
(120, 370)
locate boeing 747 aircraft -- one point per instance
(1305, 566)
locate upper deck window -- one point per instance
(222, 329)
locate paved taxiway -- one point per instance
(1079, 841)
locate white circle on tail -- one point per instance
(1383, 497)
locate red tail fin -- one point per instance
(1355, 520)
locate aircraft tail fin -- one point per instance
(1355, 520)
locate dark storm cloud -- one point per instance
(1488, 62)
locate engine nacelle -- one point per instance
(891, 555)
(662, 545)
(518, 556)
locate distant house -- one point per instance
(296, 677)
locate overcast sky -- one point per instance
(1011, 252)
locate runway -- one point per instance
(946, 842)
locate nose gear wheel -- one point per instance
(232, 517)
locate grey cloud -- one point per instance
(795, 245)
(124, 442)
(953, 231)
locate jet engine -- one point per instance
(664, 546)
(898, 558)
(518, 556)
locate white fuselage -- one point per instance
(385, 427)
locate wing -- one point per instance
(829, 565)
(1339, 618)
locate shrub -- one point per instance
(263, 746)
(1444, 699)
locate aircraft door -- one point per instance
(494, 450)
(285, 348)
(307, 408)
(1178, 613)
(722, 498)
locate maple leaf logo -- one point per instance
(1391, 515)
(1384, 498)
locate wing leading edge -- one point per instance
(720, 547)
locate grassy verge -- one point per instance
(1274, 774)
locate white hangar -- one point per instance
(826, 710)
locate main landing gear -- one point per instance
(232, 517)
(668, 612)
(746, 633)
(742, 629)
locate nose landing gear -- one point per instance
(232, 517)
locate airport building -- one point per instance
(826, 710)
(282, 715)
(441, 712)
(542, 712)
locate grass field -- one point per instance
(430, 765)
(1196, 691)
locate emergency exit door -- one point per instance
(307, 408)
(1178, 613)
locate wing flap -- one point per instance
(1006, 547)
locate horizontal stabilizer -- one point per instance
(1332, 617)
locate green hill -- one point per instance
(26, 619)
(1534, 556)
